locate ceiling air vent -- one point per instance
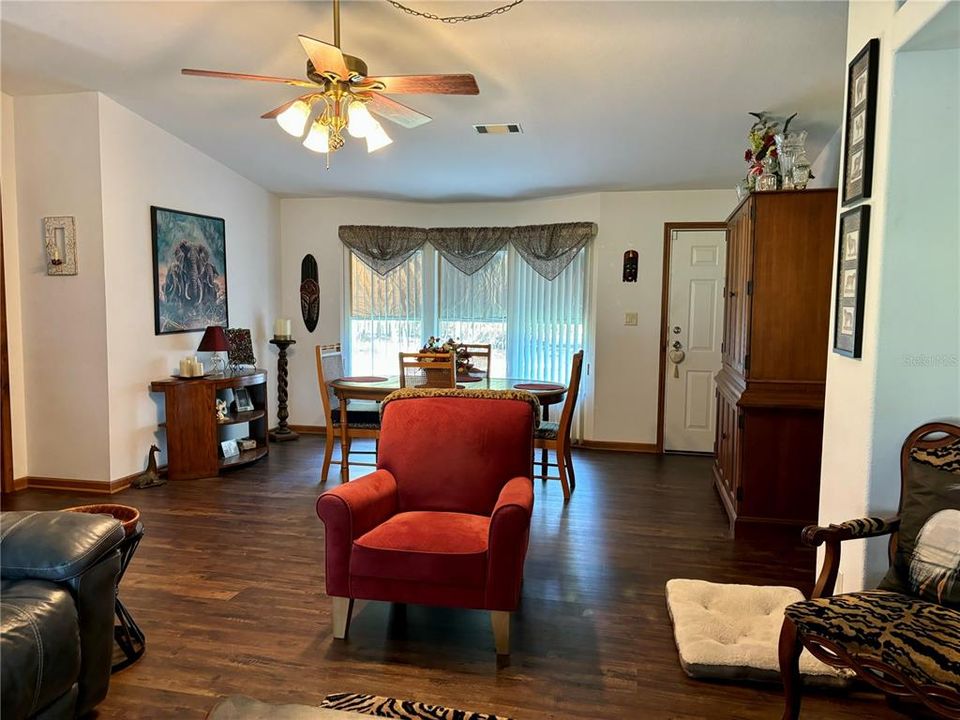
(499, 129)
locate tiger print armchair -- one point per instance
(903, 638)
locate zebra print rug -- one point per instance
(387, 707)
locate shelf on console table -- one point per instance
(193, 431)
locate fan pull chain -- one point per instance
(453, 19)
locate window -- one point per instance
(534, 325)
(386, 315)
(473, 308)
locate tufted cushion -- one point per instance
(547, 431)
(919, 639)
(732, 631)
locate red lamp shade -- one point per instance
(214, 340)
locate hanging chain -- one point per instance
(453, 19)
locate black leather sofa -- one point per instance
(58, 574)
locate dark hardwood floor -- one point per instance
(228, 587)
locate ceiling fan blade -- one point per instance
(242, 76)
(277, 110)
(428, 84)
(396, 112)
(325, 57)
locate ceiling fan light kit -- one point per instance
(339, 84)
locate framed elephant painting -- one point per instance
(189, 271)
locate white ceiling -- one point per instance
(611, 95)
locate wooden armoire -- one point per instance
(771, 385)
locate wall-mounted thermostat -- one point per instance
(631, 259)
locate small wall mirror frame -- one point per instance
(631, 261)
(60, 244)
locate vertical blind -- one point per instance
(534, 325)
(386, 315)
(546, 320)
(473, 307)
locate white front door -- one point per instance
(694, 334)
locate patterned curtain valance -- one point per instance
(548, 249)
(383, 248)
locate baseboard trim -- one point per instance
(309, 429)
(73, 485)
(650, 448)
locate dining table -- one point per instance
(373, 387)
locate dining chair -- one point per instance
(431, 370)
(480, 356)
(556, 435)
(363, 416)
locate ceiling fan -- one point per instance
(341, 86)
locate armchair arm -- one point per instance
(54, 546)
(507, 543)
(348, 512)
(80, 552)
(814, 535)
(833, 536)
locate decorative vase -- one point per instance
(768, 178)
(801, 175)
(791, 152)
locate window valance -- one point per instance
(548, 249)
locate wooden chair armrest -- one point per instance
(815, 535)
(833, 536)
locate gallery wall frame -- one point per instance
(860, 123)
(851, 281)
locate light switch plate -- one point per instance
(630, 318)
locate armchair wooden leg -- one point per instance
(327, 456)
(342, 610)
(500, 620)
(790, 649)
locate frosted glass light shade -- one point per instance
(359, 120)
(318, 139)
(377, 138)
(294, 118)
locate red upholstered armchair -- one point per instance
(445, 518)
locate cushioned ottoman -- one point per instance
(731, 632)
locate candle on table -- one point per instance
(281, 328)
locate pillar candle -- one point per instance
(281, 328)
(185, 369)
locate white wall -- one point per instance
(142, 165)
(88, 346)
(11, 259)
(826, 166)
(64, 318)
(625, 360)
(912, 294)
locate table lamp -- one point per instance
(215, 341)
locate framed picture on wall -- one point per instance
(189, 271)
(860, 123)
(851, 281)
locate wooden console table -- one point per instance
(193, 431)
